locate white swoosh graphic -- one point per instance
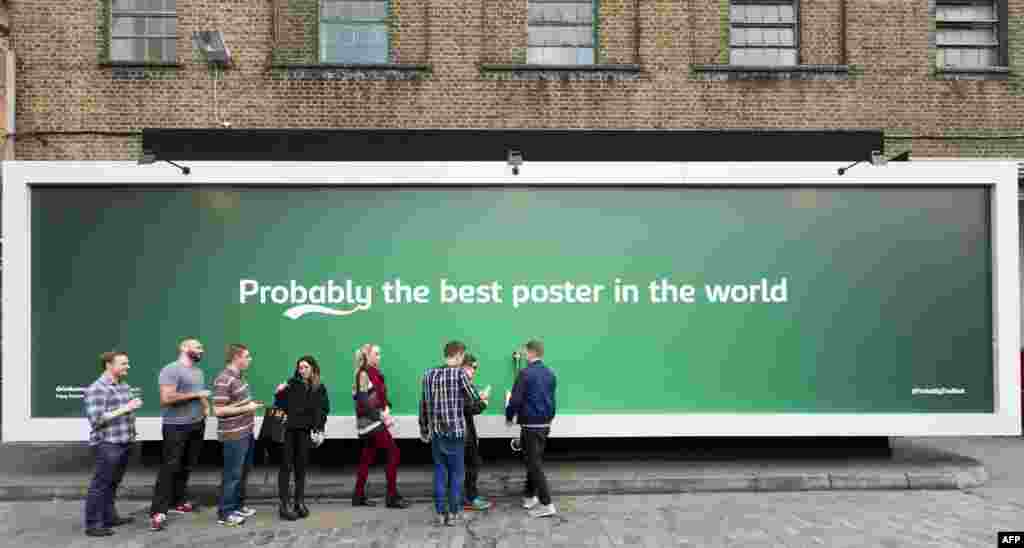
(297, 312)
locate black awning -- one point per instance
(536, 145)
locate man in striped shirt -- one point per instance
(110, 408)
(236, 414)
(446, 391)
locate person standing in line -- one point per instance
(185, 405)
(304, 399)
(473, 459)
(110, 409)
(532, 403)
(446, 392)
(236, 418)
(373, 424)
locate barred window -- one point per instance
(143, 31)
(967, 33)
(354, 31)
(763, 32)
(561, 32)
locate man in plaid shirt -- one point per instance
(446, 391)
(110, 408)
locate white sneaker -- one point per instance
(530, 502)
(246, 512)
(234, 520)
(543, 511)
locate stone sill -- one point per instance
(561, 72)
(794, 72)
(988, 73)
(136, 64)
(348, 72)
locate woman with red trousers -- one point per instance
(373, 421)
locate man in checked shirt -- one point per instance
(446, 392)
(110, 408)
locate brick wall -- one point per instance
(62, 87)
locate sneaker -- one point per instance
(454, 520)
(246, 512)
(183, 508)
(157, 522)
(530, 502)
(543, 511)
(441, 520)
(479, 504)
(234, 520)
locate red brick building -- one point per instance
(943, 78)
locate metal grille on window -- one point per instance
(763, 32)
(143, 31)
(966, 33)
(354, 31)
(560, 32)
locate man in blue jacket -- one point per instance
(532, 401)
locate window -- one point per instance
(561, 32)
(143, 31)
(967, 34)
(354, 31)
(763, 32)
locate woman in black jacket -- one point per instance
(304, 399)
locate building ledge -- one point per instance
(986, 73)
(139, 64)
(348, 72)
(561, 72)
(751, 72)
(136, 70)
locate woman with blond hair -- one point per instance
(373, 421)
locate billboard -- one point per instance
(673, 302)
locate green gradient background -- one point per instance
(889, 289)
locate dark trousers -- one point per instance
(371, 444)
(294, 457)
(533, 441)
(473, 464)
(182, 446)
(111, 462)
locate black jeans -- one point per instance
(533, 441)
(111, 462)
(294, 456)
(182, 446)
(473, 464)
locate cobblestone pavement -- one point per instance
(859, 519)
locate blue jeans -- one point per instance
(449, 469)
(111, 462)
(238, 455)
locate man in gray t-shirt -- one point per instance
(184, 404)
(186, 379)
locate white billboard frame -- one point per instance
(999, 176)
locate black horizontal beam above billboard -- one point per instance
(536, 145)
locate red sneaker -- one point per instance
(157, 522)
(184, 508)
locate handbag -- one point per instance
(275, 420)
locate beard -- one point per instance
(195, 356)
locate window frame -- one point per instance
(795, 25)
(1001, 24)
(367, 22)
(162, 14)
(594, 27)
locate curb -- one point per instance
(509, 486)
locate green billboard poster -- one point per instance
(650, 300)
